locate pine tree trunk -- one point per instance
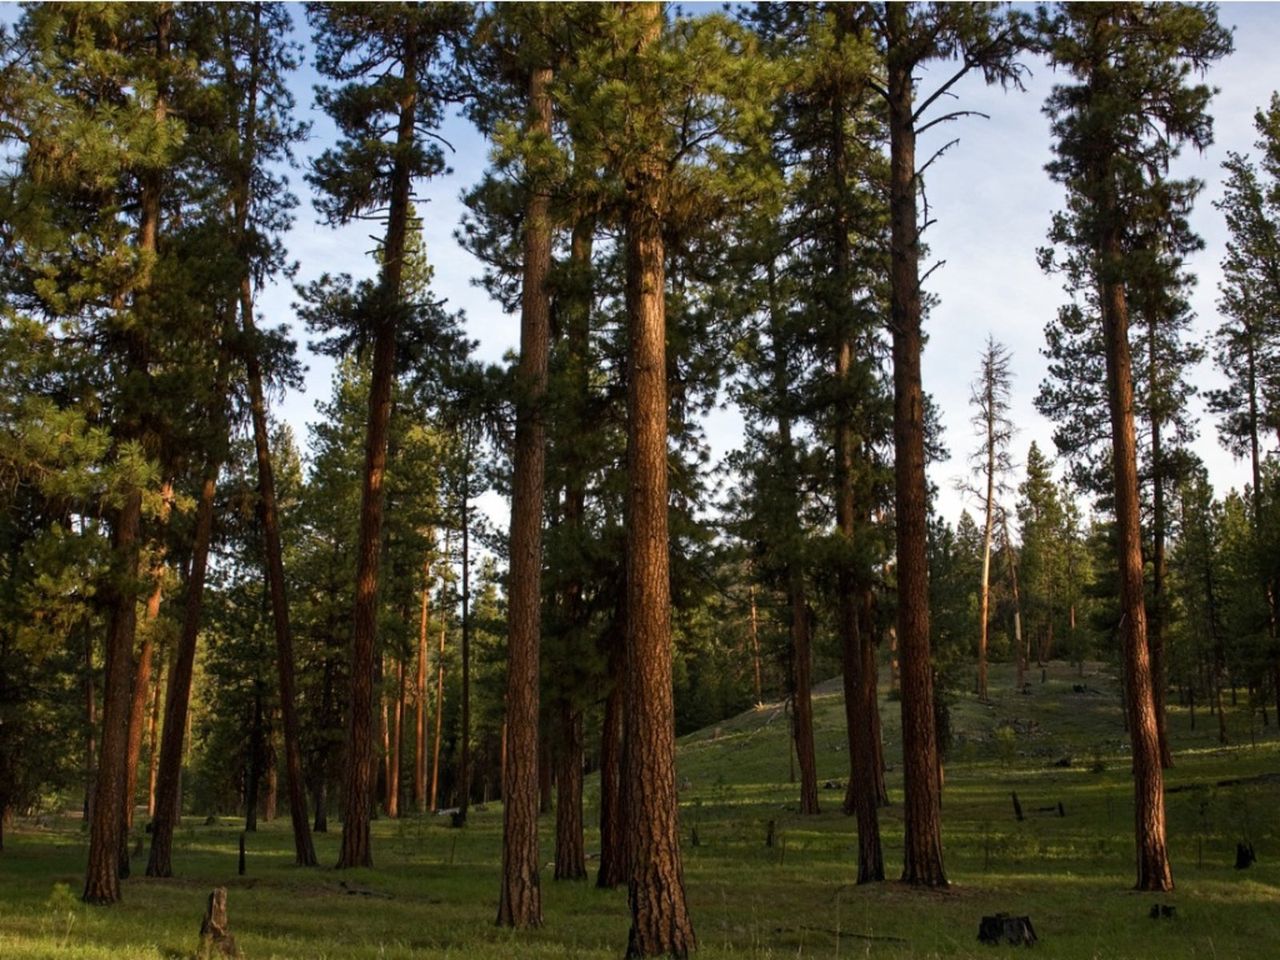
(801, 660)
(571, 859)
(660, 921)
(167, 811)
(1155, 625)
(153, 743)
(102, 880)
(90, 728)
(755, 645)
(420, 699)
(111, 801)
(439, 725)
(984, 606)
(304, 850)
(1148, 778)
(138, 705)
(253, 774)
(520, 900)
(383, 786)
(922, 802)
(614, 864)
(866, 760)
(356, 850)
(270, 763)
(464, 759)
(397, 740)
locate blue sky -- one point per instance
(993, 203)
(990, 195)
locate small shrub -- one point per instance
(1006, 740)
(62, 906)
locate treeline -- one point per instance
(681, 209)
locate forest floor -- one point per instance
(434, 891)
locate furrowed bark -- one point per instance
(922, 801)
(520, 898)
(356, 850)
(660, 922)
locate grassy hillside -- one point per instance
(434, 893)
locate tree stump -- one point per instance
(1244, 856)
(1003, 928)
(215, 932)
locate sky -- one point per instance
(992, 201)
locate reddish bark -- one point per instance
(420, 699)
(356, 850)
(922, 801)
(1154, 872)
(660, 922)
(520, 900)
(614, 864)
(571, 859)
(167, 813)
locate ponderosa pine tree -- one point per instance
(520, 899)
(393, 63)
(1131, 63)
(638, 73)
(1041, 528)
(98, 139)
(910, 37)
(989, 394)
(1248, 343)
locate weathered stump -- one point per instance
(1244, 856)
(215, 932)
(1003, 928)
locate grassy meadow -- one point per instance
(434, 892)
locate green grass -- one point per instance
(437, 887)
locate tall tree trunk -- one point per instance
(420, 698)
(107, 828)
(1155, 624)
(90, 727)
(439, 725)
(755, 645)
(270, 763)
(382, 787)
(799, 677)
(397, 740)
(614, 863)
(355, 850)
(571, 859)
(304, 850)
(141, 691)
(464, 752)
(520, 900)
(922, 803)
(254, 772)
(1148, 778)
(153, 742)
(660, 921)
(1021, 649)
(167, 811)
(102, 880)
(984, 606)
